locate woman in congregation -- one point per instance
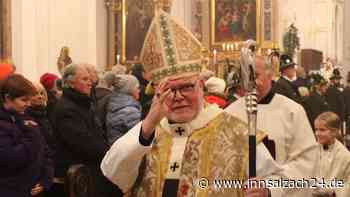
(38, 111)
(25, 169)
(124, 109)
(334, 164)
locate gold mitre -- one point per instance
(170, 49)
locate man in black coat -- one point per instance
(80, 139)
(316, 103)
(285, 85)
(334, 96)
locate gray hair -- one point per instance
(125, 83)
(69, 72)
(109, 78)
(206, 74)
(119, 69)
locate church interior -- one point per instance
(139, 97)
(33, 32)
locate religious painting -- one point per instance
(234, 21)
(268, 21)
(139, 14)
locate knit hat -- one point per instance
(170, 50)
(5, 70)
(48, 80)
(215, 85)
(125, 83)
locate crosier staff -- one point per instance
(247, 61)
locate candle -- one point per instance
(223, 46)
(259, 51)
(214, 57)
(118, 57)
(236, 46)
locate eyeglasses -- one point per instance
(184, 90)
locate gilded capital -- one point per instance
(163, 4)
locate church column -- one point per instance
(115, 18)
(5, 35)
(346, 45)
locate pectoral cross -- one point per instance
(174, 166)
(180, 130)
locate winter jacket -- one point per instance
(80, 140)
(40, 116)
(123, 113)
(24, 159)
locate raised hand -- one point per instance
(37, 189)
(157, 111)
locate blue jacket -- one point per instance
(123, 112)
(24, 159)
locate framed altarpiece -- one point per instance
(234, 21)
(128, 23)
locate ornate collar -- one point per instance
(186, 129)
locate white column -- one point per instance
(29, 64)
(346, 46)
(91, 31)
(16, 23)
(42, 27)
(181, 11)
(101, 34)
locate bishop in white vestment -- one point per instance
(182, 146)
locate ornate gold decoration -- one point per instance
(114, 5)
(218, 151)
(5, 33)
(163, 4)
(214, 19)
(170, 49)
(116, 30)
(117, 17)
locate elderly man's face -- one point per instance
(185, 100)
(93, 74)
(263, 78)
(82, 81)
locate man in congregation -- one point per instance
(79, 138)
(286, 123)
(284, 84)
(180, 141)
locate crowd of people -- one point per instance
(156, 130)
